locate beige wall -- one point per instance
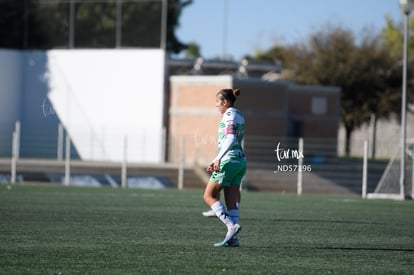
(193, 117)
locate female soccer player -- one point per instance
(228, 167)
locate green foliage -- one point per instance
(192, 51)
(365, 67)
(362, 70)
(46, 24)
(68, 230)
(175, 8)
(10, 26)
(275, 53)
(95, 25)
(393, 35)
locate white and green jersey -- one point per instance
(230, 136)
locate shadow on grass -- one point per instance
(315, 221)
(367, 249)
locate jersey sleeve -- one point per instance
(229, 131)
(225, 146)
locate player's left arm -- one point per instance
(230, 138)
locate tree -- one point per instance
(277, 54)
(192, 51)
(46, 24)
(393, 35)
(361, 67)
(175, 8)
(11, 24)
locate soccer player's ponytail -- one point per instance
(229, 95)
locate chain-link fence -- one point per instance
(292, 165)
(45, 24)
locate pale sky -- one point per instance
(260, 24)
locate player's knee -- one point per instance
(207, 197)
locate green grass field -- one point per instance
(48, 229)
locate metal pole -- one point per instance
(164, 16)
(412, 171)
(13, 159)
(225, 23)
(404, 106)
(17, 131)
(181, 165)
(365, 170)
(67, 161)
(373, 134)
(118, 34)
(26, 25)
(163, 144)
(60, 143)
(124, 164)
(72, 24)
(300, 168)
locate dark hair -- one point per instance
(229, 95)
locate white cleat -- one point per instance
(209, 213)
(230, 234)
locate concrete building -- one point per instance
(274, 111)
(101, 98)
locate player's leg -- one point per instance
(212, 193)
(232, 198)
(212, 198)
(232, 192)
(210, 212)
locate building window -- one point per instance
(319, 105)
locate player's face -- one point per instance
(221, 105)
